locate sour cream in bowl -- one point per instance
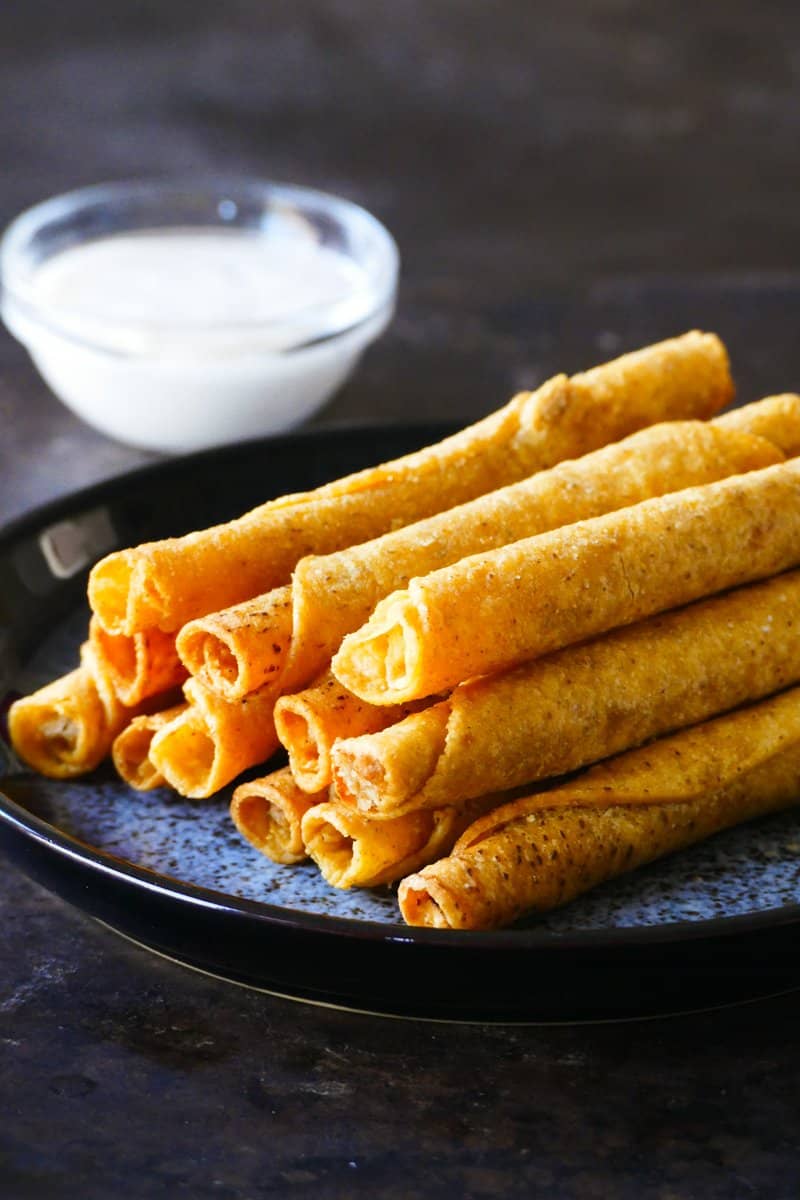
(175, 315)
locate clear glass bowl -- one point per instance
(195, 380)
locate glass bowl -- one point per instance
(162, 343)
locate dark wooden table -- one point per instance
(564, 182)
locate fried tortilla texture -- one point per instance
(309, 722)
(332, 595)
(268, 812)
(138, 666)
(496, 610)
(289, 634)
(62, 730)
(212, 740)
(67, 727)
(580, 704)
(776, 418)
(130, 751)
(240, 649)
(167, 583)
(352, 850)
(539, 852)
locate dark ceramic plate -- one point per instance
(716, 924)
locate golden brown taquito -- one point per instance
(495, 610)
(130, 750)
(776, 418)
(332, 595)
(64, 729)
(580, 704)
(213, 740)
(167, 583)
(353, 851)
(536, 853)
(309, 722)
(269, 811)
(139, 666)
(242, 648)
(292, 632)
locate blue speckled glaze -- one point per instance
(742, 871)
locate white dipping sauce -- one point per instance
(186, 337)
(158, 283)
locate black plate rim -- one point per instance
(28, 825)
(271, 915)
(83, 497)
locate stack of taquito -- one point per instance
(144, 596)
(599, 563)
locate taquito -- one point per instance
(138, 666)
(164, 584)
(212, 740)
(296, 630)
(353, 851)
(775, 418)
(130, 751)
(536, 853)
(580, 704)
(309, 722)
(239, 649)
(66, 728)
(492, 611)
(268, 812)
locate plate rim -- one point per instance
(28, 825)
(102, 862)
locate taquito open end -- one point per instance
(130, 751)
(309, 749)
(62, 729)
(333, 849)
(124, 594)
(540, 851)
(137, 666)
(185, 753)
(378, 773)
(211, 657)
(428, 904)
(240, 649)
(353, 851)
(268, 812)
(120, 654)
(380, 661)
(214, 740)
(108, 589)
(308, 723)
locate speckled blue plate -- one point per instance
(714, 924)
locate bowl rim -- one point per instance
(328, 319)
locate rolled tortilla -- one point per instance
(130, 750)
(66, 728)
(296, 630)
(776, 418)
(580, 704)
(536, 853)
(139, 666)
(211, 741)
(309, 722)
(353, 851)
(495, 610)
(242, 648)
(268, 812)
(167, 583)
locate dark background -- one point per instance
(565, 181)
(518, 151)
